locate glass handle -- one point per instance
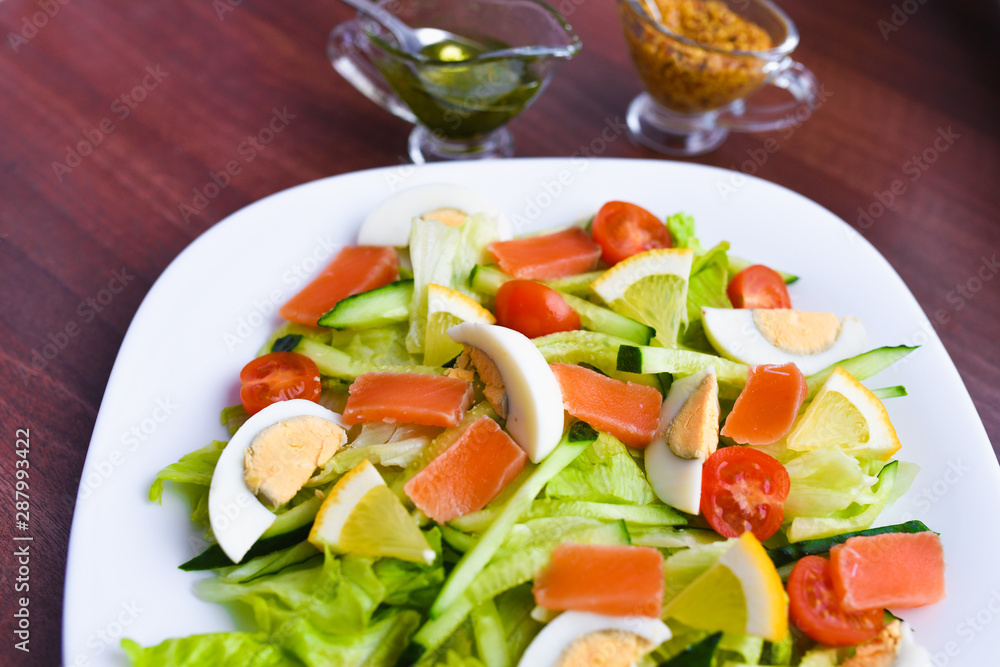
(793, 77)
(348, 56)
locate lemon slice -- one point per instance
(741, 593)
(845, 414)
(650, 287)
(446, 308)
(361, 515)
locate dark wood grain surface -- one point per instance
(113, 114)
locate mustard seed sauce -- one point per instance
(692, 79)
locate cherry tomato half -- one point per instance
(623, 229)
(815, 610)
(278, 376)
(743, 489)
(533, 309)
(758, 286)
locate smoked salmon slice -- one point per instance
(548, 256)
(896, 570)
(414, 398)
(355, 269)
(603, 579)
(766, 408)
(469, 474)
(626, 410)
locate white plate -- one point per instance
(214, 306)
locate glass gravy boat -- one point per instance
(459, 94)
(697, 93)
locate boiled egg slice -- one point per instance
(812, 341)
(389, 223)
(580, 639)
(534, 400)
(237, 517)
(689, 422)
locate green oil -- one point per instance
(457, 94)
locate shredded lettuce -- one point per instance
(444, 255)
(605, 473)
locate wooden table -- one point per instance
(115, 114)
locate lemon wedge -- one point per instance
(446, 308)
(845, 414)
(741, 593)
(650, 287)
(361, 515)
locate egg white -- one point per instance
(734, 335)
(389, 223)
(675, 480)
(546, 648)
(237, 517)
(534, 400)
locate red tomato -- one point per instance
(743, 489)
(623, 229)
(758, 286)
(815, 610)
(278, 376)
(533, 309)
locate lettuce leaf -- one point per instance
(328, 614)
(222, 649)
(444, 255)
(824, 481)
(383, 346)
(605, 473)
(194, 468)
(337, 596)
(681, 227)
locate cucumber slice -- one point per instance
(793, 552)
(504, 574)
(577, 285)
(574, 442)
(335, 363)
(639, 515)
(860, 367)
(737, 264)
(214, 557)
(883, 393)
(384, 305)
(600, 319)
(732, 376)
(488, 279)
(491, 639)
(590, 347)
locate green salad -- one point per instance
(605, 444)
